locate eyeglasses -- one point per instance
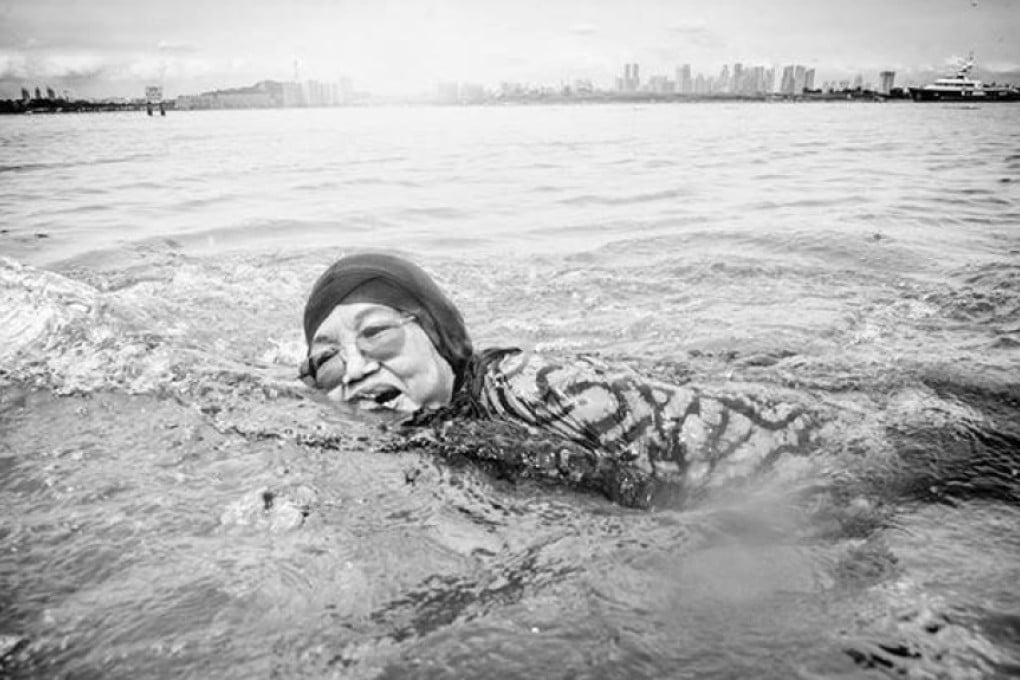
(376, 341)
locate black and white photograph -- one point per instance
(560, 339)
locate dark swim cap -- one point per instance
(394, 282)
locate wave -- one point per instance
(38, 305)
(86, 162)
(632, 199)
(71, 337)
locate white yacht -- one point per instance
(961, 87)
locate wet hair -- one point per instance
(392, 281)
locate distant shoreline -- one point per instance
(13, 107)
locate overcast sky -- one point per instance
(115, 47)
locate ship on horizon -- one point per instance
(960, 87)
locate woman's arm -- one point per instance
(667, 433)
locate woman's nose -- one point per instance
(358, 366)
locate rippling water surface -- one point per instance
(174, 504)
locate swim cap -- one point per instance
(392, 281)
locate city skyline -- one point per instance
(114, 48)
(743, 81)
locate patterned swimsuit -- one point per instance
(584, 422)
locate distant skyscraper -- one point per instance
(858, 81)
(660, 85)
(737, 86)
(292, 95)
(788, 85)
(809, 79)
(684, 85)
(723, 83)
(799, 72)
(631, 81)
(888, 77)
(26, 96)
(755, 82)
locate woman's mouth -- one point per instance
(386, 396)
(381, 397)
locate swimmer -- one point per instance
(382, 336)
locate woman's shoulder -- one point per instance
(520, 365)
(544, 376)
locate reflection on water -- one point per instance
(176, 504)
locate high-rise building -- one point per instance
(809, 79)
(292, 94)
(788, 84)
(799, 72)
(737, 85)
(684, 85)
(660, 85)
(751, 80)
(887, 79)
(858, 82)
(722, 84)
(769, 83)
(631, 81)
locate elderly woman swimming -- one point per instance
(382, 336)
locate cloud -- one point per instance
(583, 29)
(175, 47)
(18, 66)
(13, 66)
(693, 26)
(696, 32)
(78, 68)
(954, 61)
(158, 68)
(71, 66)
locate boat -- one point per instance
(962, 88)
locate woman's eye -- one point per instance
(371, 332)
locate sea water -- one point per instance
(173, 503)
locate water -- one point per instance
(175, 504)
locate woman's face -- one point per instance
(375, 357)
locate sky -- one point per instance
(97, 48)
